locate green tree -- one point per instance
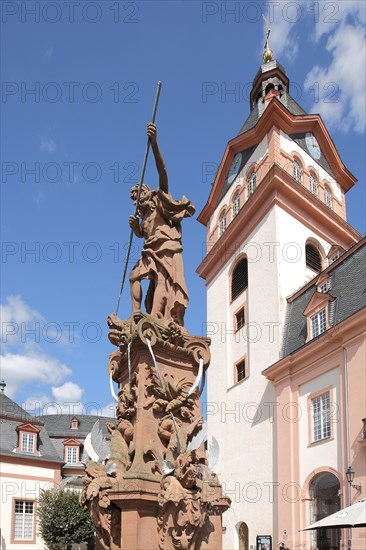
(61, 519)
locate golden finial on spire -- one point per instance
(268, 53)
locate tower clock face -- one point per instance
(234, 168)
(312, 146)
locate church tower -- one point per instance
(275, 218)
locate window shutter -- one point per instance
(239, 280)
(313, 258)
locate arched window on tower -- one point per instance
(297, 172)
(313, 258)
(252, 182)
(313, 185)
(222, 227)
(236, 204)
(239, 279)
(328, 199)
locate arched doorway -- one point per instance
(243, 533)
(325, 500)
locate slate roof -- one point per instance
(54, 430)
(58, 428)
(286, 100)
(9, 409)
(12, 416)
(245, 157)
(348, 286)
(59, 424)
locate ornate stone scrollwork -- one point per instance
(166, 334)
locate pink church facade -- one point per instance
(312, 443)
(286, 301)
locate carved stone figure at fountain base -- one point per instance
(156, 490)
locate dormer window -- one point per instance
(236, 204)
(334, 253)
(252, 182)
(72, 451)
(297, 172)
(222, 227)
(320, 314)
(324, 287)
(323, 283)
(74, 423)
(28, 439)
(318, 323)
(313, 185)
(328, 199)
(71, 455)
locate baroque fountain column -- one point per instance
(155, 488)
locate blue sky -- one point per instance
(72, 149)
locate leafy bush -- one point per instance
(61, 519)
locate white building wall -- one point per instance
(240, 416)
(23, 486)
(292, 236)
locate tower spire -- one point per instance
(268, 53)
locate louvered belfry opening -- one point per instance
(239, 280)
(313, 258)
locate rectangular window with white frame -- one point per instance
(320, 407)
(27, 443)
(71, 455)
(318, 323)
(23, 520)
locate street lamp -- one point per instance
(350, 477)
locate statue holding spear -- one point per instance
(158, 222)
(157, 219)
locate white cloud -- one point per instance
(108, 410)
(20, 369)
(338, 88)
(67, 392)
(16, 316)
(36, 404)
(20, 324)
(330, 14)
(283, 18)
(47, 145)
(25, 329)
(67, 399)
(18, 311)
(345, 75)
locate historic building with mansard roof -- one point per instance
(285, 277)
(36, 452)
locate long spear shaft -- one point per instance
(147, 149)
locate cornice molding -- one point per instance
(277, 115)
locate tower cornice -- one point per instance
(277, 115)
(278, 187)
